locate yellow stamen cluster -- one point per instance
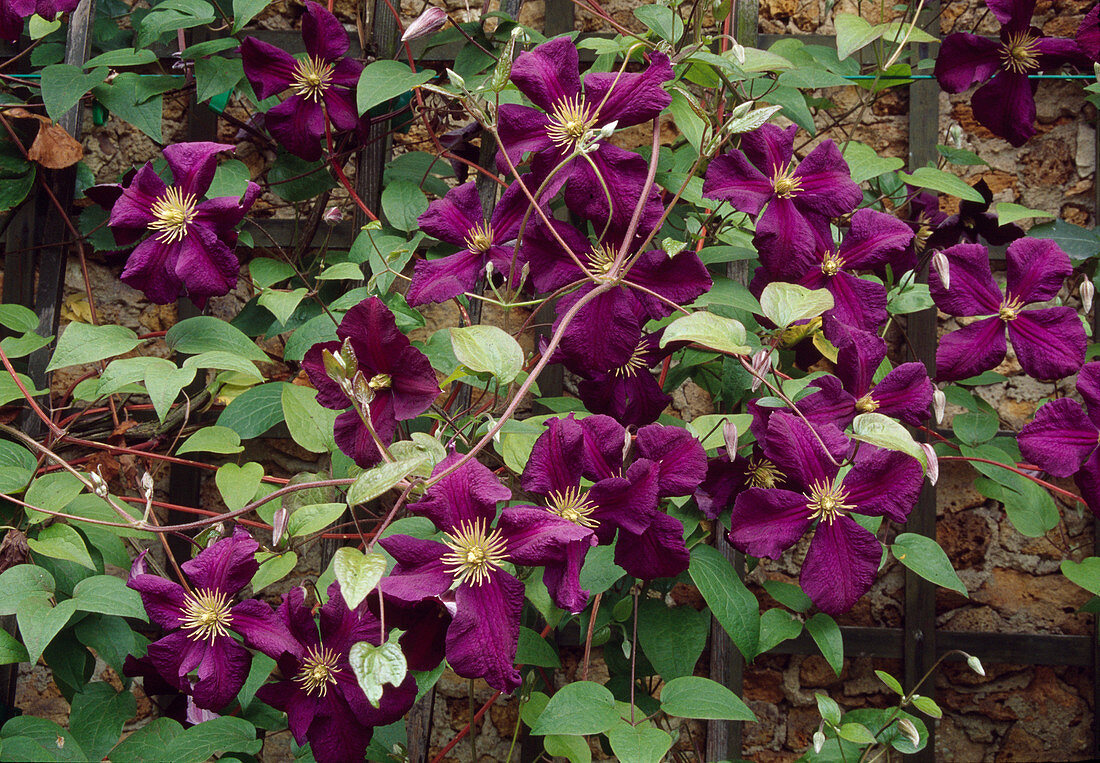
(1010, 308)
(475, 552)
(311, 77)
(380, 381)
(831, 263)
(480, 238)
(206, 615)
(634, 364)
(763, 473)
(573, 504)
(786, 185)
(600, 260)
(826, 501)
(173, 211)
(318, 671)
(569, 121)
(867, 404)
(1021, 53)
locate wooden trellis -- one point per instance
(37, 242)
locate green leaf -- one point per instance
(20, 582)
(787, 303)
(1010, 213)
(358, 573)
(485, 348)
(97, 717)
(672, 639)
(702, 698)
(108, 595)
(212, 439)
(63, 85)
(281, 303)
(403, 201)
(662, 20)
(119, 97)
(578, 708)
(375, 666)
(294, 179)
(39, 739)
(246, 10)
(238, 484)
(925, 557)
(313, 518)
(82, 343)
(944, 182)
(826, 634)
(852, 34)
(1079, 243)
(147, 743)
(642, 743)
(110, 637)
(383, 80)
(230, 179)
(309, 423)
(1085, 573)
(709, 330)
(39, 622)
(600, 571)
(209, 738)
(170, 16)
(215, 75)
(9, 390)
(573, 748)
(731, 603)
(690, 124)
(856, 732)
(828, 709)
(18, 318)
(776, 626)
(865, 163)
(121, 57)
(11, 651)
(975, 428)
(254, 411)
(927, 705)
(205, 333)
(891, 682)
(315, 330)
(885, 432)
(17, 466)
(53, 491)
(273, 569)
(341, 271)
(375, 481)
(62, 542)
(788, 594)
(534, 650)
(164, 382)
(960, 156)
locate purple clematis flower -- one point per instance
(797, 201)
(1064, 439)
(1049, 342)
(318, 690)
(14, 12)
(974, 223)
(1088, 34)
(399, 376)
(465, 571)
(549, 76)
(727, 478)
(629, 393)
(1005, 104)
(190, 250)
(905, 393)
(923, 216)
(457, 219)
(843, 557)
(200, 619)
(323, 83)
(607, 331)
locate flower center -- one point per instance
(1010, 308)
(786, 185)
(475, 552)
(1021, 53)
(573, 504)
(480, 238)
(569, 121)
(174, 211)
(762, 473)
(826, 501)
(831, 263)
(600, 260)
(636, 362)
(380, 381)
(924, 232)
(318, 671)
(867, 404)
(311, 77)
(206, 614)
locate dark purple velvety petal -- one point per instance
(425, 624)
(298, 125)
(226, 566)
(205, 265)
(1036, 268)
(831, 404)
(724, 479)
(522, 130)
(965, 60)
(680, 458)
(792, 445)
(770, 147)
(329, 393)
(859, 354)
(1006, 106)
(628, 503)
(1049, 343)
(323, 34)
(549, 73)
(151, 270)
(1088, 482)
(883, 483)
(733, 178)
(176, 655)
(633, 399)
(859, 302)
(354, 439)
(875, 239)
(971, 350)
(537, 537)
(133, 209)
(826, 183)
(1088, 34)
(659, 552)
(481, 642)
(221, 673)
(375, 338)
(419, 573)
(840, 565)
(766, 522)
(340, 107)
(453, 217)
(1060, 438)
(299, 707)
(444, 278)
(510, 210)
(261, 629)
(164, 600)
(551, 265)
(603, 442)
(414, 385)
(193, 164)
(632, 97)
(465, 496)
(681, 279)
(269, 69)
(223, 213)
(605, 331)
(786, 240)
(905, 394)
(1088, 386)
(562, 579)
(585, 194)
(973, 291)
(557, 458)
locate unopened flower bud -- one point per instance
(278, 525)
(428, 22)
(334, 366)
(607, 130)
(347, 354)
(975, 664)
(909, 731)
(99, 485)
(933, 462)
(362, 391)
(490, 268)
(939, 405)
(147, 486)
(333, 215)
(456, 79)
(140, 566)
(955, 135)
(760, 362)
(819, 741)
(1087, 292)
(738, 51)
(729, 434)
(503, 69)
(942, 268)
(741, 109)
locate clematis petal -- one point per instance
(883, 483)
(163, 599)
(905, 393)
(329, 393)
(724, 480)
(628, 503)
(826, 183)
(840, 565)
(973, 291)
(859, 302)
(226, 566)
(966, 60)
(786, 239)
(971, 350)
(556, 459)
(1088, 386)
(221, 673)
(414, 384)
(634, 398)
(733, 178)
(300, 709)
(770, 147)
(1037, 269)
(831, 404)
(324, 36)
(467, 495)
(453, 217)
(875, 239)
(269, 69)
(606, 330)
(481, 642)
(603, 442)
(551, 266)
(419, 574)
(298, 125)
(354, 439)
(632, 97)
(548, 74)
(151, 269)
(133, 209)
(537, 537)
(1014, 14)
(444, 278)
(586, 194)
(1088, 34)
(680, 279)
(193, 164)
(206, 265)
(680, 458)
(1049, 342)
(659, 552)
(768, 521)
(799, 452)
(859, 354)
(522, 130)
(223, 213)
(176, 655)
(1088, 482)
(340, 107)
(261, 629)
(1006, 106)
(1060, 438)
